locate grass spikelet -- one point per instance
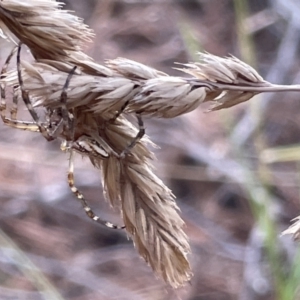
(224, 82)
(47, 30)
(149, 211)
(294, 229)
(229, 81)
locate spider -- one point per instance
(52, 129)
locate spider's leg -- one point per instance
(12, 121)
(67, 117)
(25, 96)
(139, 135)
(82, 200)
(83, 145)
(112, 120)
(2, 76)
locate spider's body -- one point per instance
(62, 123)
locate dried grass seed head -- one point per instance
(44, 27)
(223, 70)
(294, 229)
(149, 211)
(44, 82)
(132, 69)
(166, 97)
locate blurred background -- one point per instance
(236, 172)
